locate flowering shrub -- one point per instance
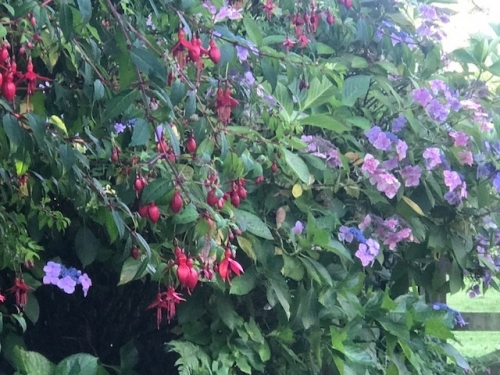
(253, 187)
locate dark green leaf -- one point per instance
(297, 165)
(155, 190)
(270, 74)
(252, 223)
(31, 363)
(85, 8)
(280, 289)
(119, 104)
(86, 246)
(244, 284)
(141, 134)
(13, 131)
(77, 364)
(66, 21)
(354, 88)
(324, 121)
(187, 215)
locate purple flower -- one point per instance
(411, 175)
(382, 142)
(427, 12)
(391, 163)
(228, 12)
(370, 164)
(242, 53)
(119, 128)
(388, 184)
(52, 272)
(401, 148)
(432, 156)
(398, 123)
(452, 179)
(373, 133)
(453, 103)
(333, 158)
(159, 133)
(438, 85)
(358, 235)
(465, 157)
(437, 111)
(345, 234)
(67, 284)
(424, 31)
(298, 228)
(86, 283)
(367, 252)
(249, 78)
(367, 220)
(422, 96)
(393, 239)
(149, 22)
(460, 138)
(496, 182)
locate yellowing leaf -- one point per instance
(280, 216)
(354, 158)
(297, 191)
(58, 123)
(246, 246)
(414, 206)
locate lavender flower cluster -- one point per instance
(390, 232)
(431, 18)
(323, 149)
(487, 161)
(397, 35)
(121, 126)
(439, 102)
(66, 278)
(457, 317)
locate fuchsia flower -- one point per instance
(20, 290)
(166, 301)
(228, 266)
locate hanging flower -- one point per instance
(229, 266)
(166, 301)
(20, 290)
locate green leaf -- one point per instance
(155, 190)
(252, 223)
(307, 309)
(119, 104)
(32, 308)
(147, 63)
(435, 327)
(178, 92)
(319, 93)
(495, 68)
(253, 30)
(324, 121)
(13, 131)
(119, 223)
(141, 134)
(297, 165)
(187, 215)
(227, 53)
(86, 246)
(270, 74)
(66, 21)
(98, 90)
(31, 363)
(78, 364)
(174, 140)
(244, 284)
(360, 122)
(130, 270)
(68, 156)
(129, 356)
(453, 353)
(85, 8)
(354, 88)
(338, 248)
(279, 287)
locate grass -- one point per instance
(476, 343)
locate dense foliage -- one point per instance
(242, 187)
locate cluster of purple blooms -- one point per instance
(397, 35)
(368, 249)
(439, 101)
(390, 232)
(66, 278)
(225, 12)
(457, 317)
(323, 149)
(487, 168)
(432, 18)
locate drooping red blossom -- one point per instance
(268, 9)
(228, 266)
(2, 298)
(166, 301)
(20, 290)
(303, 41)
(224, 103)
(288, 43)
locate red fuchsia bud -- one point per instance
(183, 273)
(238, 232)
(191, 145)
(214, 52)
(242, 193)
(330, 18)
(220, 203)
(348, 4)
(22, 50)
(4, 55)
(9, 90)
(154, 212)
(212, 198)
(138, 184)
(242, 181)
(192, 280)
(231, 236)
(210, 222)
(33, 21)
(143, 210)
(235, 199)
(29, 265)
(134, 252)
(1, 79)
(259, 179)
(176, 202)
(274, 167)
(114, 156)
